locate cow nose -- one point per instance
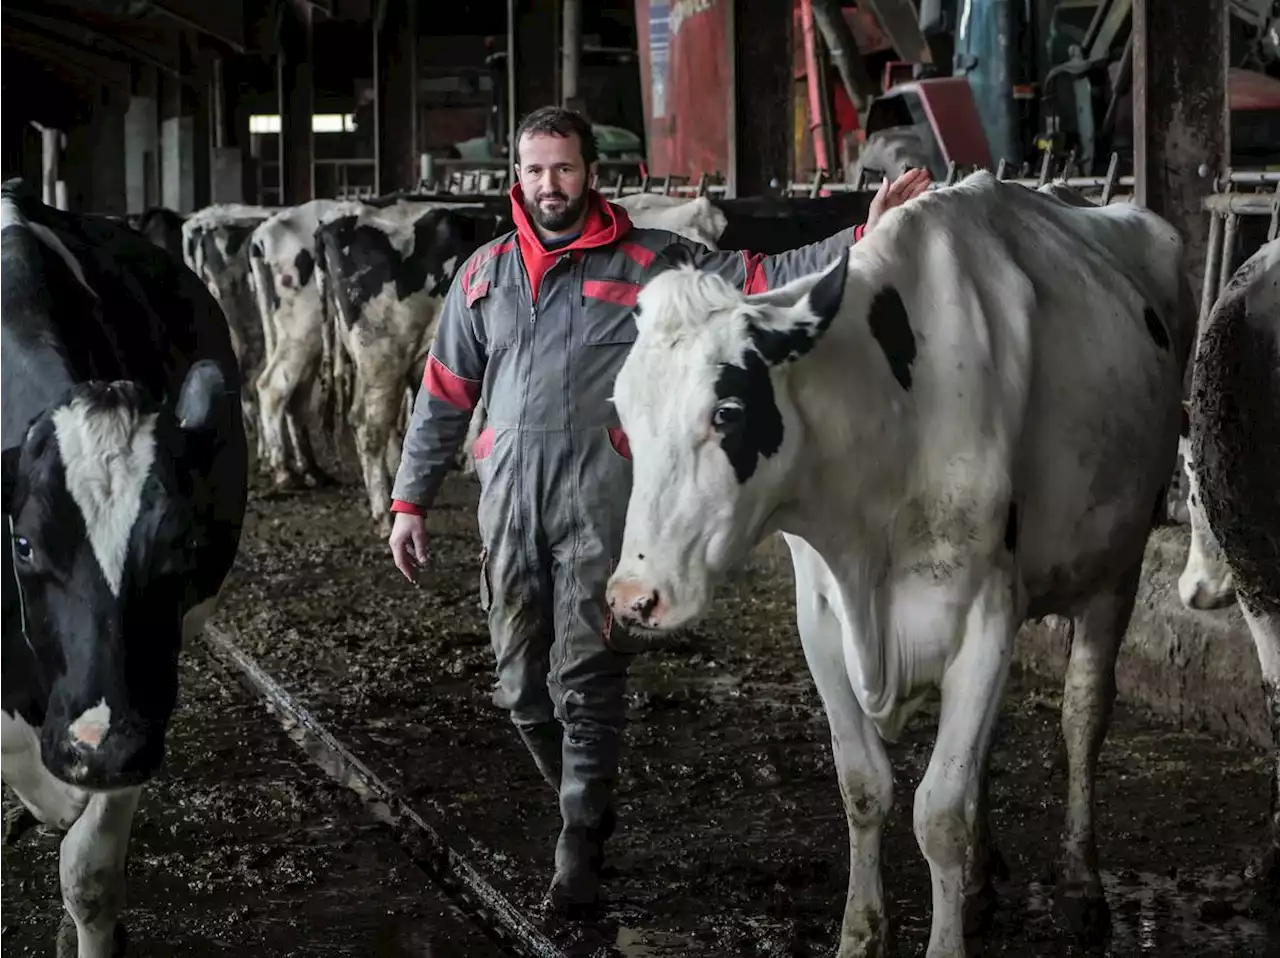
(633, 600)
(644, 605)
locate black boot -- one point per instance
(544, 742)
(590, 763)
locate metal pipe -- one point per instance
(842, 46)
(820, 158)
(570, 52)
(511, 82)
(217, 104)
(1248, 204)
(1228, 249)
(1209, 284)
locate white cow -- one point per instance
(282, 256)
(215, 246)
(1235, 452)
(696, 219)
(967, 422)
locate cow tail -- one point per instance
(328, 380)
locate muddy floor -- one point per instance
(732, 839)
(243, 848)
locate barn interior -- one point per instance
(395, 813)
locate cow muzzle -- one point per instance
(635, 601)
(102, 753)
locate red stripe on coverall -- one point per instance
(443, 383)
(612, 291)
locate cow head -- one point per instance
(109, 503)
(704, 399)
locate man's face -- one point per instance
(554, 179)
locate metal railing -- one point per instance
(1225, 206)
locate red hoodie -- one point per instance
(605, 224)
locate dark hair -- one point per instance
(557, 121)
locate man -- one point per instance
(538, 322)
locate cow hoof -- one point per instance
(17, 823)
(318, 479)
(1082, 913)
(288, 482)
(68, 943)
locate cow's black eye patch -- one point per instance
(758, 431)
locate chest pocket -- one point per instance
(501, 315)
(608, 312)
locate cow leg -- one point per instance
(1086, 713)
(1265, 874)
(373, 434)
(92, 867)
(862, 765)
(947, 800)
(273, 398)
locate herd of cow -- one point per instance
(969, 420)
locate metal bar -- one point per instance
(820, 158)
(1109, 187)
(819, 177)
(1209, 283)
(570, 51)
(1046, 167)
(511, 81)
(1248, 204)
(1274, 228)
(1228, 249)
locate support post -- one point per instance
(395, 65)
(1181, 133)
(296, 104)
(512, 119)
(761, 95)
(570, 53)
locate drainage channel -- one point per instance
(479, 900)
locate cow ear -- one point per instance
(789, 330)
(202, 403)
(12, 458)
(669, 257)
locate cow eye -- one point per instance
(727, 414)
(22, 548)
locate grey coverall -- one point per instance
(541, 336)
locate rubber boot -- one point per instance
(590, 769)
(545, 742)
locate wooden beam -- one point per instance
(65, 55)
(1181, 132)
(761, 95)
(296, 92)
(395, 69)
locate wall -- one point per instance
(687, 108)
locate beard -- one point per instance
(559, 219)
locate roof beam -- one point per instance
(66, 55)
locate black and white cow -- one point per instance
(967, 422)
(215, 244)
(1235, 463)
(161, 225)
(125, 476)
(282, 258)
(383, 272)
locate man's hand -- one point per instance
(408, 543)
(906, 187)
